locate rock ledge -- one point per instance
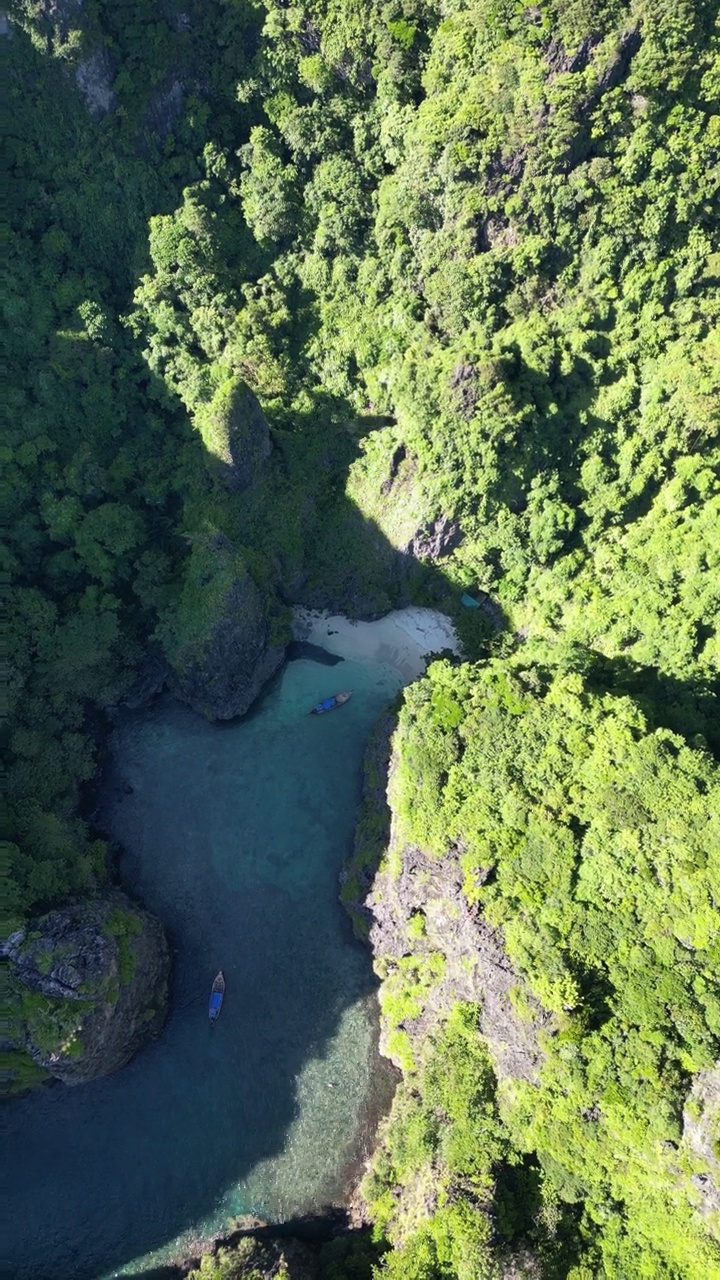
(91, 985)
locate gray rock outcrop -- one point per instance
(164, 108)
(475, 969)
(91, 984)
(436, 539)
(94, 77)
(415, 905)
(701, 1136)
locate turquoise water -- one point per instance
(234, 835)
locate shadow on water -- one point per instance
(235, 840)
(331, 1227)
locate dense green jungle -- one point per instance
(462, 258)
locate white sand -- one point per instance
(402, 639)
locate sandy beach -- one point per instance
(403, 639)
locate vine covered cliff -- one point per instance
(542, 921)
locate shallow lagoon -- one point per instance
(234, 835)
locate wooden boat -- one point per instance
(216, 996)
(329, 704)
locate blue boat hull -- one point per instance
(217, 996)
(329, 704)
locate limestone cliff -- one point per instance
(701, 1139)
(411, 908)
(235, 434)
(91, 985)
(224, 638)
(423, 930)
(437, 958)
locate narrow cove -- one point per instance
(234, 836)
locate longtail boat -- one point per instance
(329, 704)
(216, 996)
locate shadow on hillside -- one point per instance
(321, 551)
(328, 1237)
(351, 567)
(307, 543)
(120, 1167)
(687, 707)
(552, 422)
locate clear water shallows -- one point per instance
(234, 835)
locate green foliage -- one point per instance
(52, 1024)
(248, 1260)
(430, 1188)
(349, 1257)
(591, 838)
(466, 256)
(18, 1072)
(123, 926)
(403, 993)
(268, 190)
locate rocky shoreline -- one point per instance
(92, 982)
(382, 904)
(404, 639)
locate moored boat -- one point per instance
(217, 994)
(329, 704)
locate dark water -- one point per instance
(234, 836)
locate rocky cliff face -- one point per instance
(91, 983)
(422, 933)
(419, 910)
(235, 434)
(225, 638)
(432, 951)
(701, 1137)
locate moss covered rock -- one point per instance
(235, 434)
(225, 637)
(91, 985)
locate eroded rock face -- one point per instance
(415, 907)
(236, 435)
(436, 539)
(701, 1134)
(476, 967)
(227, 638)
(164, 108)
(94, 77)
(92, 982)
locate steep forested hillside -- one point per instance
(363, 302)
(589, 838)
